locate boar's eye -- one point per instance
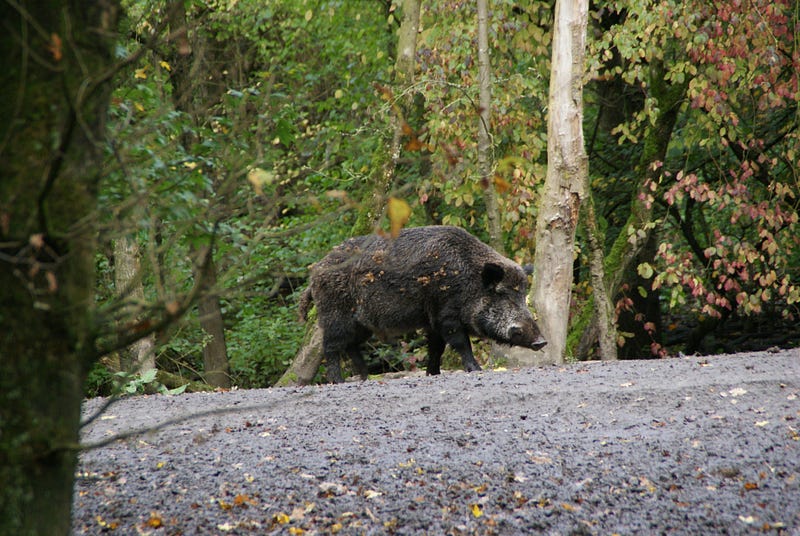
(491, 275)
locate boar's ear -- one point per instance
(527, 268)
(491, 275)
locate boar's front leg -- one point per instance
(456, 336)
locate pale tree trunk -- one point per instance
(567, 167)
(309, 358)
(57, 62)
(140, 356)
(485, 160)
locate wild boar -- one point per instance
(438, 279)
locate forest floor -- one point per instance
(690, 445)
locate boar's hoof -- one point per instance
(472, 367)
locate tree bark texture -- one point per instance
(215, 354)
(304, 366)
(485, 159)
(140, 356)
(603, 308)
(567, 167)
(57, 62)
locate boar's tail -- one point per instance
(304, 305)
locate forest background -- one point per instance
(257, 135)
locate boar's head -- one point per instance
(500, 312)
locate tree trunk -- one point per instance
(140, 356)
(603, 308)
(57, 59)
(309, 358)
(191, 97)
(304, 367)
(485, 160)
(567, 167)
(215, 353)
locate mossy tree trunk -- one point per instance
(55, 95)
(140, 356)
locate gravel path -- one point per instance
(697, 445)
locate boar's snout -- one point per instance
(526, 336)
(539, 343)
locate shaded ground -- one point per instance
(698, 445)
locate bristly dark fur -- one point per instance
(439, 279)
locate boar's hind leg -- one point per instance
(358, 362)
(456, 336)
(436, 346)
(337, 343)
(333, 367)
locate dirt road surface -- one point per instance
(690, 445)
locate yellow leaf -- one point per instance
(500, 184)
(309, 14)
(399, 212)
(155, 521)
(338, 94)
(281, 518)
(138, 106)
(165, 65)
(140, 73)
(476, 510)
(296, 530)
(259, 178)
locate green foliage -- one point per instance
(447, 52)
(724, 200)
(131, 384)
